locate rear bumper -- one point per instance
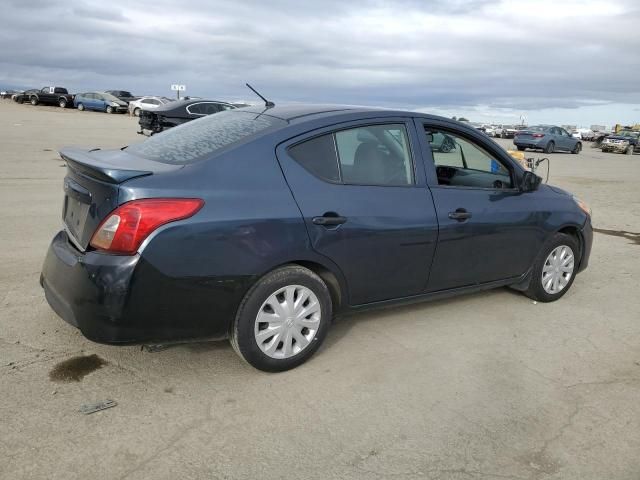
(529, 143)
(88, 290)
(117, 299)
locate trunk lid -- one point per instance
(92, 184)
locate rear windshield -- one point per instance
(538, 128)
(198, 139)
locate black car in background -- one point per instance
(123, 95)
(24, 96)
(179, 112)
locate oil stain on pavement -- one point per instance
(76, 368)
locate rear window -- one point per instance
(198, 139)
(538, 128)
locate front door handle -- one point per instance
(460, 214)
(329, 220)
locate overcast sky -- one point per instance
(559, 61)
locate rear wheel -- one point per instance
(577, 148)
(554, 268)
(34, 100)
(62, 103)
(282, 320)
(550, 147)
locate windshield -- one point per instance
(629, 133)
(111, 98)
(198, 139)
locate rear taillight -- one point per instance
(131, 223)
(538, 135)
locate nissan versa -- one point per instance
(260, 224)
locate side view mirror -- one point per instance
(529, 182)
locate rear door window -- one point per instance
(368, 155)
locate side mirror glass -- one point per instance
(530, 182)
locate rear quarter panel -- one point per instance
(249, 225)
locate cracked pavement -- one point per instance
(486, 386)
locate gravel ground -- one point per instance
(485, 386)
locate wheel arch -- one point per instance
(574, 231)
(329, 278)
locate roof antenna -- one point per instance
(267, 103)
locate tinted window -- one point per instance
(372, 155)
(318, 155)
(200, 138)
(461, 162)
(375, 155)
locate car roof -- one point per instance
(291, 112)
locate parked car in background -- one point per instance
(493, 130)
(147, 103)
(24, 96)
(586, 134)
(625, 141)
(123, 95)
(262, 227)
(102, 102)
(52, 96)
(8, 93)
(177, 113)
(548, 138)
(509, 131)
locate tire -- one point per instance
(80, 107)
(536, 289)
(576, 150)
(288, 280)
(629, 150)
(550, 147)
(62, 103)
(136, 111)
(34, 100)
(520, 148)
(109, 109)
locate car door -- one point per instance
(101, 102)
(568, 142)
(364, 202)
(489, 229)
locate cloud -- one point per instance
(526, 55)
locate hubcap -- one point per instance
(557, 269)
(287, 321)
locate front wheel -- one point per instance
(109, 109)
(577, 148)
(80, 107)
(136, 112)
(550, 147)
(282, 320)
(554, 268)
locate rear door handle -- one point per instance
(329, 221)
(460, 214)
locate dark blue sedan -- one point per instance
(259, 225)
